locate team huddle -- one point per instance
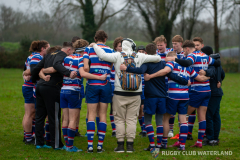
(137, 82)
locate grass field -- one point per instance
(11, 132)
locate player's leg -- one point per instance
(191, 119)
(166, 118)
(27, 123)
(97, 117)
(65, 122)
(47, 130)
(140, 119)
(112, 122)
(171, 125)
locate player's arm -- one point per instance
(150, 58)
(160, 73)
(177, 78)
(139, 70)
(42, 75)
(36, 68)
(27, 72)
(183, 62)
(87, 75)
(110, 57)
(210, 72)
(48, 70)
(57, 64)
(86, 64)
(202, 78)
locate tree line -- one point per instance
(137, 19)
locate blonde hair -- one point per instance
(160, 39)
(171, 54)
(177, 38)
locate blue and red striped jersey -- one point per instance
(72, 63)
(27, 66)
(175, 90)
(200, 61)
(97, 65)
(35, 60)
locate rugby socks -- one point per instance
(191, 120)
(159, 135)
(164, 140)
(71, 134)
(143, 124)
(76, 129)
(102, 126)
(140, 122)
(97, 122)
(90, 133)
(47, 132)
(150, 133)
(24, 134)
(201, 131)
(65, 134)
(183, 134)
(28, 136)
(171, 122)
(33, 127)
(112, 123)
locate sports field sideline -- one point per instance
(11, 132)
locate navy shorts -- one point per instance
(82, 92)
(70, 99)
(142, 96)
(174, 106)
(28, 94)
(154, 105)
(96, 94)
(199, 98)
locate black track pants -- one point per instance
(47, 103)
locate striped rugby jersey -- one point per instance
(27, 65)
(180, 55)
(72, 63)
(200, 61)
(35, 60)
(164, 54)
(112, 78)
(175, 90)
(98, 66)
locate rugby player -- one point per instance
(200, 91)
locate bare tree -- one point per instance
(159, 16)
(89, 24)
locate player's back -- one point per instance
(71, 63)
(98, 66)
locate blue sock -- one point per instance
(191, 120)
(76, 129)
(164, 140)
(143, 124)
(159, 135)
(101, 133)
(112, 123)
(90, 133)
(97, 122)
(171, 122)
(65, 134)
(201, 131)
(183, 134)
(28, 136)
(150, 133)
(140, 122)
(48, 139)
(71, 134)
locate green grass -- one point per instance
(10, 46)
(11, 132)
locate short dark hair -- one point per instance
(188, 43)
(116, 42)
(67, 44)
(151, 49)
(53, 49)
(171, 54)
(100, 36)
(199, 39)
(75, 38)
